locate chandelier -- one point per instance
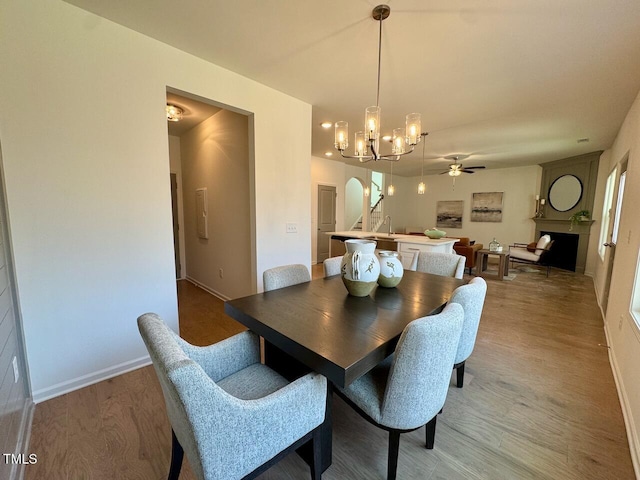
(367, 142)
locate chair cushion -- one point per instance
(367, 392)
(542, 244)
(255, 381)
(523, 254)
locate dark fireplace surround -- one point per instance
(570, 254)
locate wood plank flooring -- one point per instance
(539, 402)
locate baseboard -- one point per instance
(627, 414)
(213, 292)
(90, 379)
(24, 436)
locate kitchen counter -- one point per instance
(408, 245)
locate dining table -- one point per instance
(317, 326)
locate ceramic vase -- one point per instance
(391, 270)
(360, 267)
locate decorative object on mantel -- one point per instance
(486, 207)
(494, 245)
(370, 138)
(391, 270)
(449, 213)
(434, 233)
(539, 207)
(360, 267)
(576, 218)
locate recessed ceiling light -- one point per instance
(326, 124)
(583, 140)
(328, 154)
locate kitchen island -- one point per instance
(408, 246)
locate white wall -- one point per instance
(86, 162)
(215, 155)
(353, 202)
(520, 185)
(622, 332)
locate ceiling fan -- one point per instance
(455, 169)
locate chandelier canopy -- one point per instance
(367, 142)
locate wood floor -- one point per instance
(539, 402)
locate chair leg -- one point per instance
(316, 462)
(177, 453)
(394, 447)
(431, 432)
(460, 375)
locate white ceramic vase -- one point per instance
(360, 267)
(391, 270)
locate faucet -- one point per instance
(388, 217)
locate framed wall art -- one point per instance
(486, 207)
(449, 213)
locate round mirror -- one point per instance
(565, 193)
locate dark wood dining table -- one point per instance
(318, 326)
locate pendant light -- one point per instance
(422, 188)
(391, 190)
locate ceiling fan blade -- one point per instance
(473, 168)
(466, 171)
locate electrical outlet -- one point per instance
(16, 372)
(291, 227)
(221, 273)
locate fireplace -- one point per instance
(564, 252)
(570, 245)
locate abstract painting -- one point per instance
(449, 213)
(486, 207)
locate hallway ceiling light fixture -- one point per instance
(367, 142)
(174, 113)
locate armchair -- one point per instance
(469, 250)
(233, 416)
(535, 253)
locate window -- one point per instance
(635, 296)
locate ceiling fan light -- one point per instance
(455, 172)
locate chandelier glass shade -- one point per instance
(367, 142)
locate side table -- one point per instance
(503, 265)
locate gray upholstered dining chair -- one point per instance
(233, 416)
(331, 266)
(408, 389)
(471, 297)
(285, 276)
(440, 263)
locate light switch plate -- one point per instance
(291, 227)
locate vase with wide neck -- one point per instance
(360, 267)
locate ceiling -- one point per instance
(193, 113)
(506, 82)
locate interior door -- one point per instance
(613, 236)
(326, 219)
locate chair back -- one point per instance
(332, 266)
(170, 360)
(421, 370)
(439, 263)
(285, 276)
(542, 244)
(471, 297)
